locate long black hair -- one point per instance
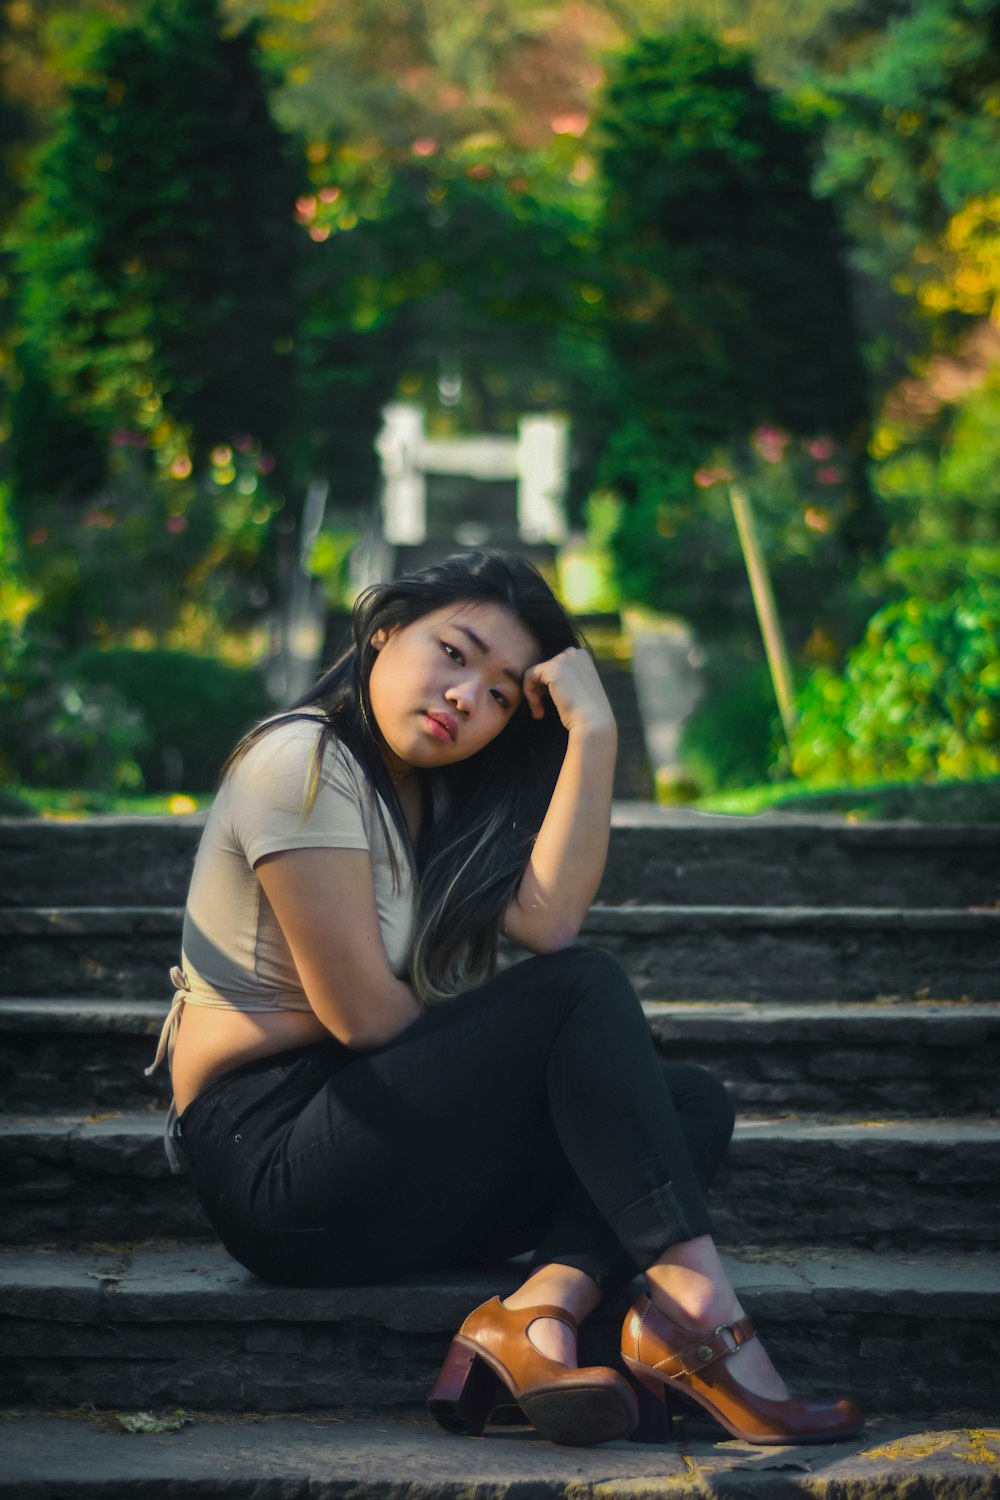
(487, 810)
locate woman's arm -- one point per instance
(567, 861)
(324, 901)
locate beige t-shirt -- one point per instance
(234, 951)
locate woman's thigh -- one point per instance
(370, 1167)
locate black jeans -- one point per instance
(531, 1114)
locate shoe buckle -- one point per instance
(723, 1328)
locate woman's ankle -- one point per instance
(559, 1286)
(690, 1286)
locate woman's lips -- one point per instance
(442, 726)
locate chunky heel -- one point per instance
(656, 1410)
(492, 1353)
(462, 1396)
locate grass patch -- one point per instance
(944, 802)
(68, 802)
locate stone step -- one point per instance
(657, 854)
(876, 1182)
(80, 1456)
(783, 953)
(887, 1057)
(884, 1057)
(669, 952)
(158, 1326)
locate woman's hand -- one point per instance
(571, 681)
(567, 859)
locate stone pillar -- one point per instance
(542, 457)
(404, 493)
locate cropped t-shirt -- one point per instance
(234, 954)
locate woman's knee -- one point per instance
(589, 966)
(591, 975)
(700, 1093)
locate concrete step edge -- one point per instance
(58, 1133)
(626, 815)
(74, 921)
(198, 1280)
(768, 1020)
(950, 1021)
(79, 1457)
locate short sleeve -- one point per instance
(269, 790)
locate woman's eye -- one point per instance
(452, 651)
(501, 698)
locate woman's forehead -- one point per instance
(495, 626)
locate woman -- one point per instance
(360, 1095)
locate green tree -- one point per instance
(912, 137)
(731, 332)
(155, 284)
(157, 249)
(454, 266)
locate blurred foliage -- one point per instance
(158, 222)
(328, 561)
(455, 269)
(58, 730)
(194, 709)
(154, 308)
(585, 565)
(973, 801)
(83, 802)
(941, 485)
(730, 738)
(911, 143)
(919, 699)
(730, 341)
(580, 205)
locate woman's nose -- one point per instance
(462, 695)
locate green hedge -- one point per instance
(730, 739)
(919, 699)
(194, 709)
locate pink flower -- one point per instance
(177, 524)
(821, 449)
(705, 478)
(425, 145)
(574, 123)
(770, 442)
(829, 474)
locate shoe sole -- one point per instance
(577, 1417)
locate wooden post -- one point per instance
(767, 612)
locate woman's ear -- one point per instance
(379, 639)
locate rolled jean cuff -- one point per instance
(652, 1224)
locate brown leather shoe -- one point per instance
(564, 1404)
(668, 1360)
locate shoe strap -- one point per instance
(726, 1339)
(543, 1310)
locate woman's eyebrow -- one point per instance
(480, 645)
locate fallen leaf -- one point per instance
(145, 1421)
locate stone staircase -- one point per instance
(843, 979)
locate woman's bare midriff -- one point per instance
(210, 1042)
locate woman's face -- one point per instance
(446, 685)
